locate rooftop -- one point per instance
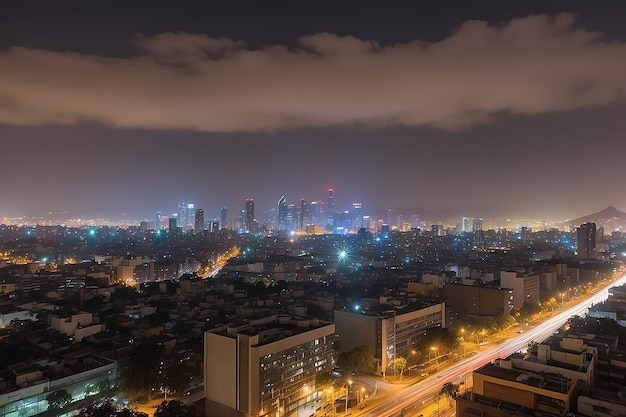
(544, 380)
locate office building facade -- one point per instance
(266, 367)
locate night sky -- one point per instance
(479, 109)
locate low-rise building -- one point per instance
(389, 331)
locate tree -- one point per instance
(173, 408)
(58, 399)
(180, 377)
(450, 390)
(399, 365)
(444, 339)
(142, 371)
(107, 409)
(323, 379)
(360, 359)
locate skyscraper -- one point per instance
(249, 216)
(223, 217)
(586, 238)
(182, 216)
(292, 216)
(199, 221)
(305, 214)
(281, 213)
(465, 225)
(391, 217)
(315, 212)
(477, 225)
(357, 216)
(186, 214)
(172, 223)
(157, 221)
(330, 210)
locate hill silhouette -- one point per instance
(602, 217)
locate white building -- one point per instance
(266, 367)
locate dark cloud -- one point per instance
(527, 66)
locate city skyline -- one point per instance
(486, 110)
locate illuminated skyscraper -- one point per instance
(415, 221)
(465, 225)
(330, 209)
(224, 217)
(292, 216)
(182, 216)
(157, 221)
(305, 214)
(586, 238)
(198, 221)
(186, 214)
(315, 212)
(391, 217)
(477, 225)
(249, 216)
(281, 213)
(357, 216)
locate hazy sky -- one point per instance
(476, 108)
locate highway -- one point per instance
(406, 397)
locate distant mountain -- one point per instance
(606, 216)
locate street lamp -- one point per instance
(463, 339)
(435, 350)
(348, 394)
(331, 391)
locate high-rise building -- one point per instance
(415, 221)
(182, 216)
(224, 217)
(586, 239)
(186, 212)
(315, 212)
(199, 221)
(525, 287)
(266, 367)
(249, 216)
(330, 210)
(465, 225)
(281, 213)
(357, 216)
(157, 221)
(305, 214)
(172, 222)
(477, 224)
(391, 217)
(437, 230)
(292, 217)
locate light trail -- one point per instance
(407, 397)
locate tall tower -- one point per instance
(357, 216)
(305, 214)
(223, 217)
(586, 237)
(330, 209)
(186, 214)
(391, 217)
(281, 213)
(182, 216)
(198, 226)
(157, 221)
(249, 216)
